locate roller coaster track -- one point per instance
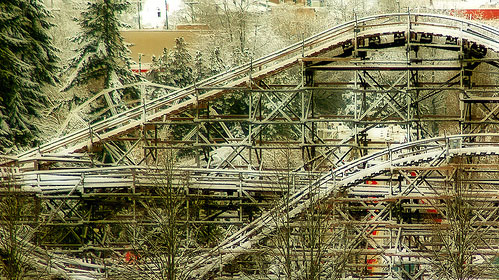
(428, 152)
(431, 151)
(333, 38)
(61, 265)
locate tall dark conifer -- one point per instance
(160, 69)
(102, 58)
(181, 67)
(173, 68)
(28, 62)
(215, 62)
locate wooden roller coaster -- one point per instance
(297, 186)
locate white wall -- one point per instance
(151, 9)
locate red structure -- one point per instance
(484, 14)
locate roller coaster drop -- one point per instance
(354, 207)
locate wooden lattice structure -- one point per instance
(407, 144)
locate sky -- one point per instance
(153, 12)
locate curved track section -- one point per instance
(424, 153)
(389, 30)
(58, 265)
(430, 152)
(444, 31)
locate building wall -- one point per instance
(151, 43)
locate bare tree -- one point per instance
(313, 245)
(13, 263)
(162, 240)
(17, 214)
(460, 236)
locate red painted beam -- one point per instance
(141, 70)
(484, 14)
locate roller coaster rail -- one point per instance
(433, 150)
(64, 176)
(184, 98)
(428, 151)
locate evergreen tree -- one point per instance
(10, 66)
(39, 52)
(199, 67)
(28, 62)
(181, 67)
(4, 130)
(173, 68)
(160, 71)
(102, 58)
(215, 63)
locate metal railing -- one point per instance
(405, 154)
(184, 98)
